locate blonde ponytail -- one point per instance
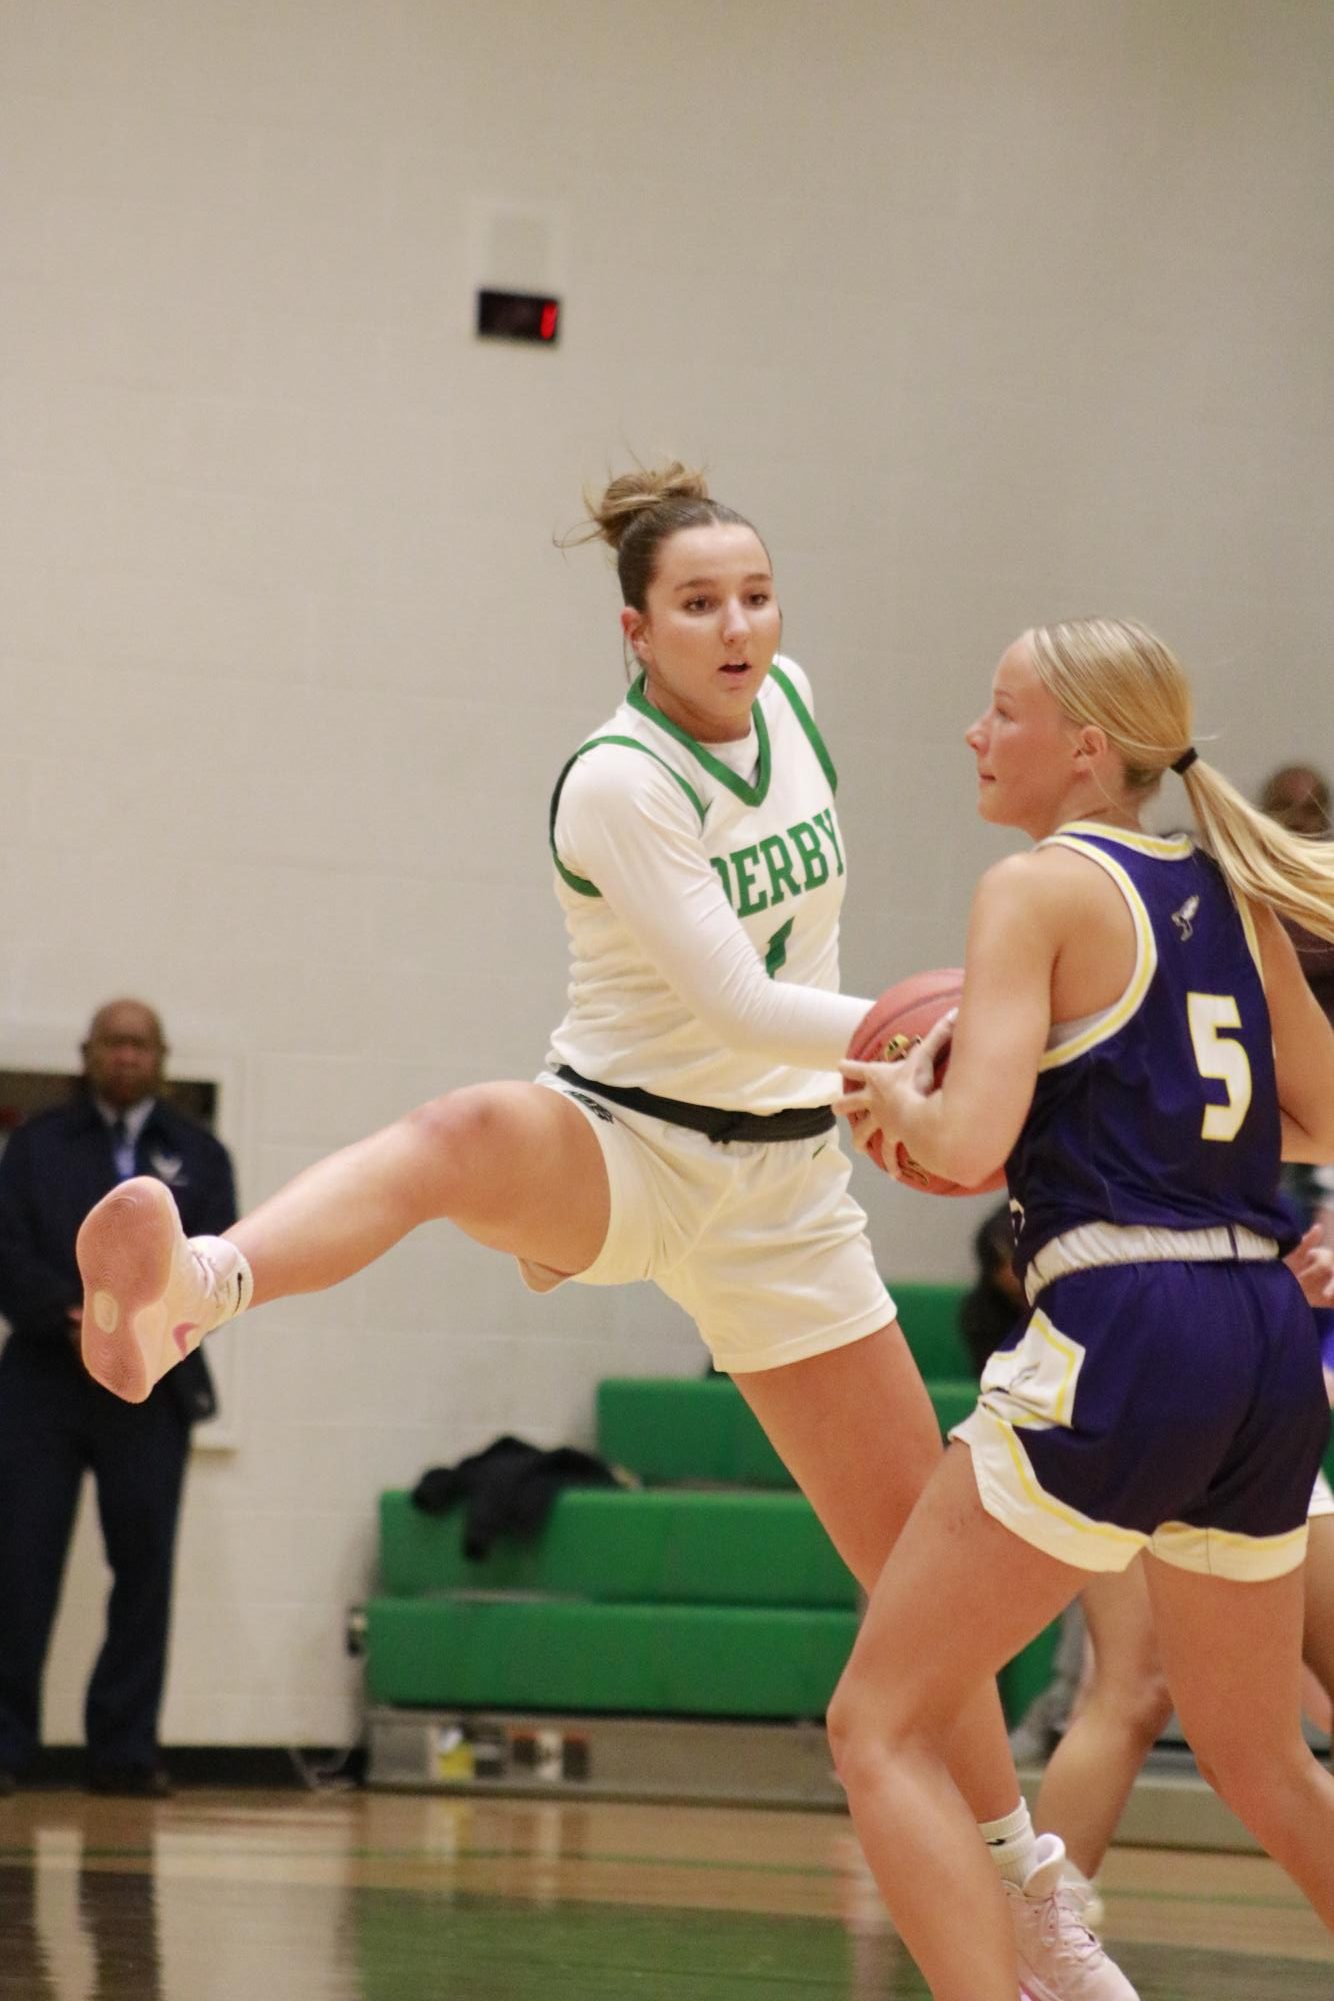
(1118, 676)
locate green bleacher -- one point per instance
(656, 1659)
(709, 1591)
(651, 1546)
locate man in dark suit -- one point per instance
(56, 1423)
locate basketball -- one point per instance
(894, 1024)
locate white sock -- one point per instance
(229, 1280)
(1012, 1844)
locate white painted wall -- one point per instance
(987, 311)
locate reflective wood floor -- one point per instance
(352, 1896)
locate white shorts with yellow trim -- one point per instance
(761, 1244)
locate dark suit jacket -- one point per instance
(55, 1167)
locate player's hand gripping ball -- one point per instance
(904, 1014)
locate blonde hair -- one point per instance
(638, 511)
(1119, 677)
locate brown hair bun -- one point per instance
(638, 511)
(631, 494)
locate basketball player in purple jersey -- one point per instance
(1124, 1703)
(1137, 1043)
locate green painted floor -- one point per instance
(133, 1940)
(230, 1897)
(483, 1950)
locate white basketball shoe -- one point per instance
(1088, 1897)
(1059, 1957)
(150, 1295)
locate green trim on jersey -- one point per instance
(567, 876)
(807, 721)
(749, 795)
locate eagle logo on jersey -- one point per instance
(1184, 919)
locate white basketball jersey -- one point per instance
(762, 813)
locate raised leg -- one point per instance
(515, 1166)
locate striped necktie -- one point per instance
(122, 1149)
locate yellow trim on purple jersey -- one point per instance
(1146, 947)
(1167, 847)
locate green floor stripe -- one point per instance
(617, 1858)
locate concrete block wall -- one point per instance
(986, 312)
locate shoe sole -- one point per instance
(125, 1251)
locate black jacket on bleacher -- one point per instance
(510, 1488)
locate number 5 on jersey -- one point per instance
(1219, 1056)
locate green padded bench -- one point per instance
(669, 1429)
(710, 1592)
(644, 1546)
(563, 1654)
(929, 1317)
(701, 1430)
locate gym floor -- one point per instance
(359, 1896)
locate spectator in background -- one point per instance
(1297, 796)
(56, 1422)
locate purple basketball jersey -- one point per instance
(1164, 1109)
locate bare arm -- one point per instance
(1303, 1046)
(966, 1129)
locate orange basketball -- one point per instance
(895, 1023)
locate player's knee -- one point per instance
(845, 1728)
(1146, 1708)
(449, 1139)
(867, 1727)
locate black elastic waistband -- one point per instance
(802, 1122)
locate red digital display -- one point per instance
(518, 316)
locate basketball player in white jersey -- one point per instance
(682, 1130)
